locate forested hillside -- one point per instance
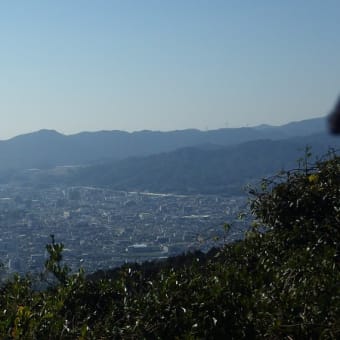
(281, 281)
(204, 169)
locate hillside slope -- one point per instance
(203, 169)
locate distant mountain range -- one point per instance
(48, 148)
(221, 161)
(203, 170)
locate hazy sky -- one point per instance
(77, 65)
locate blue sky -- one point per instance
(75, 65)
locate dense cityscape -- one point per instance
(103, 229)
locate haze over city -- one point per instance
(131, 65)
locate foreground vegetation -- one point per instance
(281, 281)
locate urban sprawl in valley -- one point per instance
(103, 229)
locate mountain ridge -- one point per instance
(49, 148)
(200, 169)
(203, 170)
